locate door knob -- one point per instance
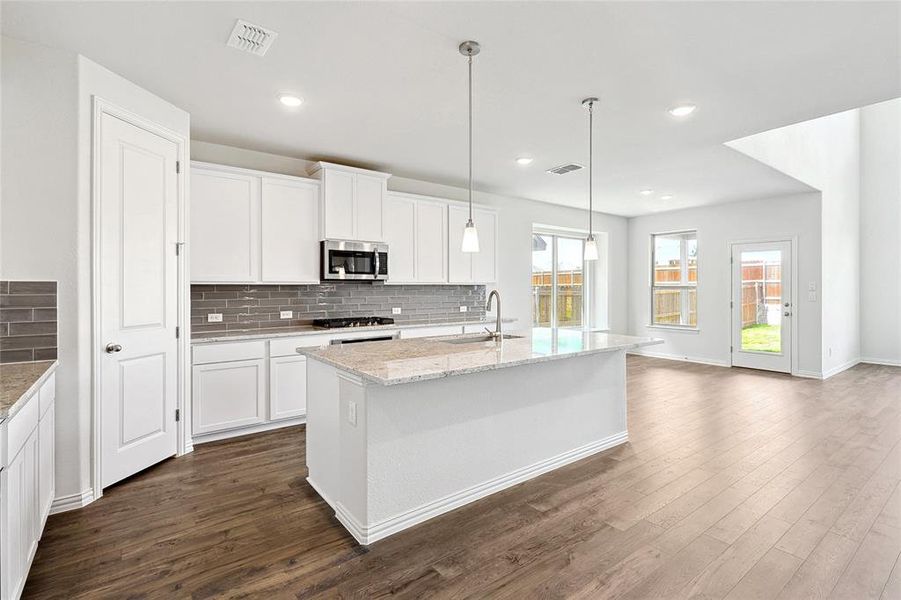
(111, 348)
(787, 314)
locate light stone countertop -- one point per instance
(19, 381)
(278, 332)
(418, 359)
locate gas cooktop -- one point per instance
(352, 322)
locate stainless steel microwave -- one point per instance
(347, 260)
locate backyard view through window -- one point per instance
(674, 279)
(557, 281)
(761, 299)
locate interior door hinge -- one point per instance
(177, 332)
(177, 414)
(178, 166)
(730, 349)
(178, 246)
(730, 304)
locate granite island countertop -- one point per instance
(19, 381)
(236, 335)
(418, 359)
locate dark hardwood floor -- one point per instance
(736, 484)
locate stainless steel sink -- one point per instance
(480, 339)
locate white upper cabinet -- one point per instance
(431, 241)
(401, 235)
(225, 226)
(476, 267)
(352, 202)
(290, 231)
(253, 227)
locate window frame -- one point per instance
(587, 277)
(684, 285)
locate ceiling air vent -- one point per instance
(564, 169)
(251, 38)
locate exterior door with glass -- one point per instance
(762, 306)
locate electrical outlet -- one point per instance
(395, 310)
(464, 308)
(214, 317)
(352, 412)
(286, 314)
(811, 296)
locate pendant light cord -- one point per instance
(470, 136)
(590, 168)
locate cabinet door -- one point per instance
(484, 262)
(459, 264)
(338, 205)
(47, 461)
(370, 194)
(290, 231)
(15, 527)
(287, 387)
(229, 395)
(400, 234)
(431, 242)
(225, 227)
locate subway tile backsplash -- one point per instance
(28, 326)
(248, 307)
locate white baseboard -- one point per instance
(224, 435)
(367, 535)
(700, 361)
(808, 374)
(72, 501)
(886, 362)
(842, 367)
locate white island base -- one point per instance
(386, 457)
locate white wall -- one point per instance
(880, 232)
(47, 123)
(718, 226)
(516, 217)
(825, 153)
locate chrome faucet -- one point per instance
(497, 327)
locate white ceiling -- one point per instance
(386, 88)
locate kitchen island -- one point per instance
(401, 431)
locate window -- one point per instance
(674, 279)
(559, 296)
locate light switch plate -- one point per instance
(395, 310)
(812, 286)
(214, 317)
(286, 314)
(464, 308)
(352, 412)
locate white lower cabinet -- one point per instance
(26, 487)
(287, 387)
(229, 395)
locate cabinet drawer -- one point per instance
(48, 393)
(289, 346)
(21, 426)
(227, 351)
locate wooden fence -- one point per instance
(569, 298)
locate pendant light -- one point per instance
(591, 246)
(470, 235)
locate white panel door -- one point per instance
(484, 262)
(290, 231)
(46, 466)
(459, 264)
(762, 306)
(138, 212)
(229, 395)
(287, 387)
(400, 234)
(225, 227)
(338, 205)
(369, 193)
(431, 242)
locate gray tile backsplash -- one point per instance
(28, 324)
(258, 306)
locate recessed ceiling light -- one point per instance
(290, 100)
(683, 110)
(646, 192)
(524, 160)
(666, 197)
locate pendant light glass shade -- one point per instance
(470, 235)
(470, 238)
(591, 248)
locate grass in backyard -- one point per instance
(762, 338)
